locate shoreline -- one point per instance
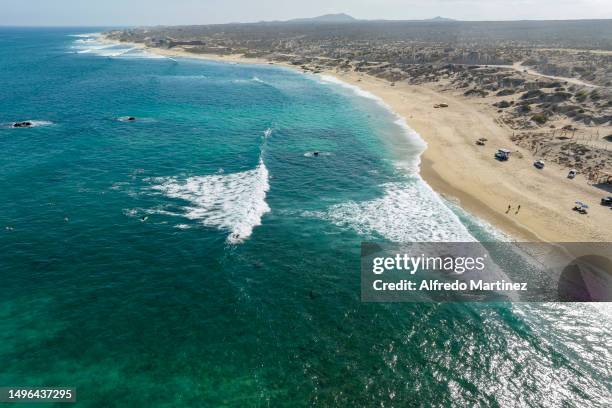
(460, 171)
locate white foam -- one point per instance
(98, 48)
(85, 41)
(130, 212)
(248, 81)
(126, 119)
(38, 123)
(122, 52)
(312, 154)
(407, 212)
(357, 90)
(85, 35)
(91, 44)
(232, 202)
(487, 227)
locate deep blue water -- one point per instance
(202, 255)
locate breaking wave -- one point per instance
(233, 202)
(407, 212)
(93, 44)
(85, 35)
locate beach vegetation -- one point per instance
(540, 118)
(502, 104)
(534, 93)
(476, 92)
(523, 108)
(580, 95)
(506, 92)
(595, 96)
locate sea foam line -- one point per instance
(85, 35)
(408, 211)
(410, 133)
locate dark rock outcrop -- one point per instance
(24, 124)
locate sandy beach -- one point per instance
(467, 173)
(457, 168)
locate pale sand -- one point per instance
(459, 169)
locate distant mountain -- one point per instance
(345, 18)
(440, 19)
(327, 18)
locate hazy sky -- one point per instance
(151, 12)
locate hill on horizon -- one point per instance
(325, 18)
(345, 18)
(439, 18)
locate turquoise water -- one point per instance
(203, 256)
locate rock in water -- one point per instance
(22, 124)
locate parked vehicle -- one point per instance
(539, 164)
(607, 201)
(571, 174)
(503, 154)
(482, 141)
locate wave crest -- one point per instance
(232, 202)
(407, 212)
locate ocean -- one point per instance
(207, 253)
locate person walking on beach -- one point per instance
(518, 209)
(509, 208)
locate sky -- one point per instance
(172, 12)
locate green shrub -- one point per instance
(539, 118)
(523, 108)
(581, 95)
